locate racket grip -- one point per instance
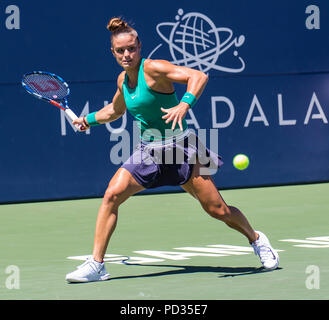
(72, 117)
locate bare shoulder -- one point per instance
(157, 67)
(120, 80)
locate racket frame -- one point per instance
(60, 103)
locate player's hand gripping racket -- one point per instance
(51, 88)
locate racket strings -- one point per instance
(46, 86)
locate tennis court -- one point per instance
(176, 251)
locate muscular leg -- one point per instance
(120, 188)
(202, 188)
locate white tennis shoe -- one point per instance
(90, 270)
(268, 256)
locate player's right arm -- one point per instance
(111, 111)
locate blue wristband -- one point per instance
(92, 120)
(189, 98)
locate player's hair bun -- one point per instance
(117, 24)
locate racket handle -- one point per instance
(72, 117)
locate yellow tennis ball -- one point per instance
(241, 162)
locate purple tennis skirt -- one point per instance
(170, 162)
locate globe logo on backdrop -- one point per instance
(194, 41)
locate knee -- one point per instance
(218, 211)
(111, 196)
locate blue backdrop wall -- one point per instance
(267, 94)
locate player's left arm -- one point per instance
(166, 73)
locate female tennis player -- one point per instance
(146, 90)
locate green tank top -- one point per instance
(144, 104)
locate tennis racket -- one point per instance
(51, 88)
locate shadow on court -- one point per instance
(223, 271)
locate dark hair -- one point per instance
(117, 25)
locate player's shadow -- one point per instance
(178, 269)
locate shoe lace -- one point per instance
(85, 263)
(90, 262)
(263, 252)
